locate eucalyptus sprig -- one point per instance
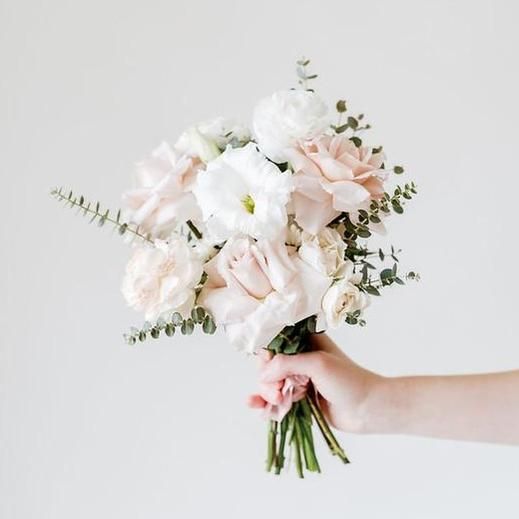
(198, 317)
(388, 203)
(303, 75)
(103, 216)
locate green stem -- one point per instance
(123, 227)
(297, 448)
(194, 229)
(308, 443)
(280, 459)
(325, 429)
(271, 451)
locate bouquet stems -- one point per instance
(294, 431)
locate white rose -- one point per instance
(207, 139)
(325, 252)
(162, 279)
(287, 117)
(342, 298)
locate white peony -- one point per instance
(242, 192)
(324, 252)
(342, 298)
(286, 118)
(162, 279)
(207, 139)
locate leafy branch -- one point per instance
(378, 208)
(198, 317)
(302, 73)
(97, 213)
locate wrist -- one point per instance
(385, 406)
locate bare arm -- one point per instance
(462, 407)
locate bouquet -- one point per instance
(265, 234)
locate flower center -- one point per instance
(248, 203)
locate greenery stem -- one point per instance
(193, 228)
(271, 452)
(325, 429)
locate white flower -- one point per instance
(325, 252)
(342, 298)
(162, 279)
(162, 199)
(242, 192)
(207, 139)
(287, 117)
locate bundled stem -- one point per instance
(296, 426)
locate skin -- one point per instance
(483, 407)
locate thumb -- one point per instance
(282, 366)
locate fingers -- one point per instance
(313, 364)
(256, 402)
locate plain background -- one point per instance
(90, 427)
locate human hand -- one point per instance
(345, 389)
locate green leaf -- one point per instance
(177, 319)
(170, 330)
(276, 343)
(208, 325)
(356, 140)
(370, 289)
(353, 123)
(341, 106)
(341, 129)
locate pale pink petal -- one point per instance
(313, 215)
(347, 196)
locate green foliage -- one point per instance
(199, 317)
(303, 74)
(102, 216)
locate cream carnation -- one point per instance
(286, 118)
(242, 192)
(162, 279)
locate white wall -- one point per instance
(90, 427)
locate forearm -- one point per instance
(465, 407)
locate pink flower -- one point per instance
(255, 288)
(163, 197)
(332, 175)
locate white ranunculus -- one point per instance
(242, 192)
(162, 279)
(325, 252)
(286, 118)
(342, 298)
(207, 139)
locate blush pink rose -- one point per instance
(163, 197)
(332, 175)
(255, 288)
